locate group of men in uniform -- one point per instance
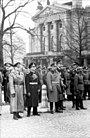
(25, 87)
(60, 80)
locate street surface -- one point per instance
(69, 124)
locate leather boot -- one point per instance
(15, 116)
(28, 111)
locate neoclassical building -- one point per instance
(46, 40)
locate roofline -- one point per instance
(56, 5)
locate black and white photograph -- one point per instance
(44, 68)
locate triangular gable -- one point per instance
(49, 10)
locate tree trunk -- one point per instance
(12, 59)
(1, 50)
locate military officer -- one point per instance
(53, 87)
(79, 88)
(17, 87)
(32, 82)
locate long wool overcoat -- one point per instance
(32, 82)
(0, 89)
(17, 87)
(53, 86)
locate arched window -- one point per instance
(43, 28)
(51, 26)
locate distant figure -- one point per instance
(79, 88)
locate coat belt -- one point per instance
(32, 83)
(18, 83)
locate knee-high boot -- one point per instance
(56, 107)
(77, 103)
(28, 111)
(51, 107)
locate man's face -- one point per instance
(18, 67)
(54, 68)
(33, 67)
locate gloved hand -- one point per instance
(28, 94)
(38, 90)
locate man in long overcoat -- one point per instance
(53, 87)
(32, 82)
(17, 90)
(79, 88)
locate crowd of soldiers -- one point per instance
(23, 86)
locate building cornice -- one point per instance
(58, 7)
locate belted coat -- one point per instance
(32, 82)
(17, 87)
(53, 86)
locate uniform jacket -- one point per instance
(32, 82)
(78, 82)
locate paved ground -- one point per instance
(70, 124)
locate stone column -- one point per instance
(54, 36)
(40, 26)
(46, 36)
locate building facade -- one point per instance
(47, 41)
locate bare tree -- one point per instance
(14, 47)
(75, 35)
(14, 11)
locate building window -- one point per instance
(43, 28)
(51, 26)
(60, 24)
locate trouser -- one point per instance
(51, 106)
(79, 100)
(60, 104)
(34, 110)
(73, 96)
(79, 103)
(73, 99)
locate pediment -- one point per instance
(48, 11)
